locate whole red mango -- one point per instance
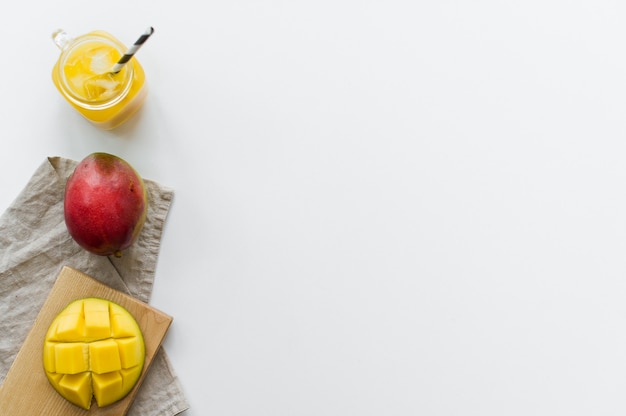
(105, 204)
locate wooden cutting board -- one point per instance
(26, 390)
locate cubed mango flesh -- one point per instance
(93, 348)
(97, 321)
(77, 389)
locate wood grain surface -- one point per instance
(26, 390)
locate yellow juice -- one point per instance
(83, 76)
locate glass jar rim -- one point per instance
(79, 100)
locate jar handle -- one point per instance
(61, 39)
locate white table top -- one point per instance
(381, 208)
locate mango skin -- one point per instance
(105, 204)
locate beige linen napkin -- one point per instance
(35, 245)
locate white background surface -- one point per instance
(382, 207)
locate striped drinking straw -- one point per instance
(132, 50)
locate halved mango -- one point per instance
(93, 348)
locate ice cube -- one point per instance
(102, 60)
(77, 82)
(101, 87)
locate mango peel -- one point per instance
(105, 204)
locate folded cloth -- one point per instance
(34, 247)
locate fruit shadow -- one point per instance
(129, 128)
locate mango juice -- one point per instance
(83, 76)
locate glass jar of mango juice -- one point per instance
(83, 75)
